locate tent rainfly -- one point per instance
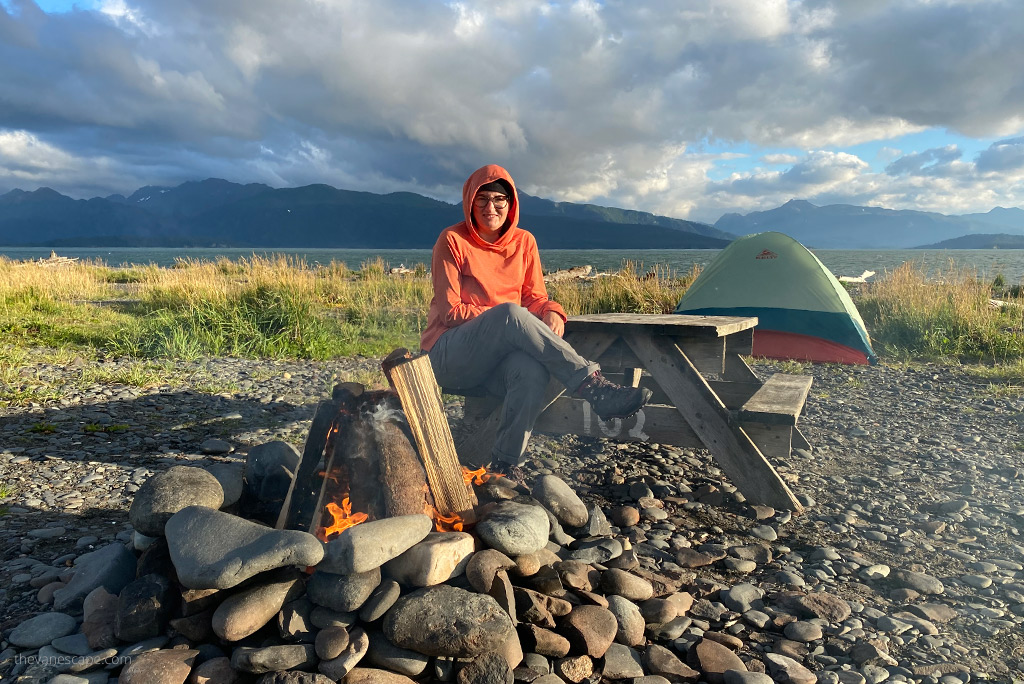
(803, 312)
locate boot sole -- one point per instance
(647, 394)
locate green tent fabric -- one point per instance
(803, 311)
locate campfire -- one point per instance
(364, 464)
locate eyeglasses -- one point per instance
(499, 201)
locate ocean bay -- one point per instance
(987, 263)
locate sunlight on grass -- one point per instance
(948, 317)
(283, 307)
(631, 290)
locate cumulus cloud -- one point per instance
(1005, 155)
(776, 159)
(930, 162)
(590, 101)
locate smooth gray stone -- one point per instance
(229, 475)
(785, 669)
(111, 567)
(741, 597)
(596, 550)
(273, 658)
(631, 621)
(515, 529)
(216, 446)
(622, 662)
(166, 493)
(445, 621)
(42, 629)
(73, 644)
(370, 545)
(331, 642)
(322, 618)
(385, 654)
(802, 631)
(269, 467)
(215, 550)
(737, 677)
(380, 601)
(343, 593)
(159, 667)
(919, 582)
(559, 498)
(337, 668)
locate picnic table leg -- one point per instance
(799, 441)
(708, 417)
(737, 346)
(475, 447)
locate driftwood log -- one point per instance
(405, 480)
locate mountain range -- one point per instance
(846, 226)
(219, 213)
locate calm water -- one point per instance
(842, 262)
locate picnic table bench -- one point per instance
(705, 396)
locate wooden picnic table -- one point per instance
(705, 395)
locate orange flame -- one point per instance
(476, 477)
(343, 517)
(444, 523)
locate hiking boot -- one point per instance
(610, 400)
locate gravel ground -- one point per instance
(914, 469)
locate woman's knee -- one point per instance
(513, 311)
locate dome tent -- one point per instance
(803, 311)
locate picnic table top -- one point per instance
(679, 325)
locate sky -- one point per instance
(687, 108)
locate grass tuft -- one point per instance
(948, 318)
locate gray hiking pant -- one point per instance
(512, 354)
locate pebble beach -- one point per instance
(914, 496)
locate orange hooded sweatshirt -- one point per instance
(472, 275)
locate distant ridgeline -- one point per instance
(982, 241)
(218, 213)
(845, 226)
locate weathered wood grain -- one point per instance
(709, 418)
(779, 401)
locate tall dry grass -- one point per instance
(947, 316)
(633, 289)
(280, 306)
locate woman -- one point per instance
(492, 325)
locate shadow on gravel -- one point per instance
(151, 424)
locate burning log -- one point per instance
(400, 467)
(413, 379)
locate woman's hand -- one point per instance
(555, 322)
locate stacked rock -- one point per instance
(545, 589)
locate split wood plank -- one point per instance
(300, 505)
(731, 447)
(413, 379)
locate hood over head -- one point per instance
(479, 178)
